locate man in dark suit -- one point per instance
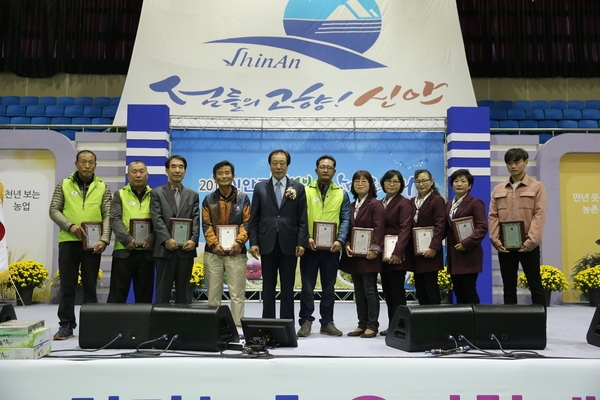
(174, 262)
(278, 233)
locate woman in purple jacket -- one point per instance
(398, 221)
(365, 212)
(429, 210)
(465, 257)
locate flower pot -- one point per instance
(548, 295)
(26, 293)
(594, 295)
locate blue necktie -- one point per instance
(278, 195)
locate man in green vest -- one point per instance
(82, 197)
(327, 202)
(132, 260)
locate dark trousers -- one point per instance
(174, 269)
(273, 263)
(392, 283)
(367, 300)
(465, 288)
(70, 256)
(137, 268)
(326, 263)
(509, 267)
(427, 288)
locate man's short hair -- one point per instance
(287, 155)
(515, 154)
(136, 162)
(85, 151)
(222, 164)
(326, 157)
(176, 157)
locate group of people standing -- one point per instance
(279, 225)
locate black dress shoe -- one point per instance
(357, 332)
(372, 334)
(383, 333)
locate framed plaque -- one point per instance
(463, 228)
(360, 241)
(512, 234)
(324, 234)
(389, 244)
(93, 233)
(227, 235)
(181, 230)
(422, 238)
(140, 229)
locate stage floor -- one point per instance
(567, 326)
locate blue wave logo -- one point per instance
(335, 32)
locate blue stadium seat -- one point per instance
(11, 100)
(61, 121)
(80, 121)
(506, 104)
(588, 123)
(516, 113)
(590, 113)
(509, 123)
(69, 133)
(487, 103)
(553, 113)
(494, 124)
(110, 111)
(92, 111)
(55, 111)
(544, 137)
(101, 121)
(571, 113)
(558, 104)
(102, 101)
(48, 101)
(2, 109)
(539, 104)
(497, 113)
(84, 101)
(524, 104)
(535, 113)
(567, 123)
(73, 111)
(40, 120)
(66, 101)
(595, 104)
(4, 120)
(15, 111)
(20, 120)
(35, 111)
(576, 104)
(115, 101)
(527, 123)
(546, 123)
(30, 101)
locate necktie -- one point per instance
(278, 195)
(177, 196)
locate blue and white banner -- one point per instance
(274, 58)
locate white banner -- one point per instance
(274, 58)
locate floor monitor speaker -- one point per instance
(421, 328)
(515, 326)
(593, 335)
(102, 323)
(7, 312)
(197, 328)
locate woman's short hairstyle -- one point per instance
(462, 172)
(364, 174)
(389, 175)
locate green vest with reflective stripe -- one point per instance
(78, 210)
(318, 210)
(132, 208)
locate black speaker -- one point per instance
(7, 312)
(593, 334)
(515, 326)
(101, 323)
(420, 328)
(197, 328)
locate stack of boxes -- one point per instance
(24, 340)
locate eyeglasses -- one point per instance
(422, 182)
(392, 182)
(326, 168)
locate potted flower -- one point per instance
(27, 275)
(55, 283)
(197, 279)
(588, 281)
(553, 280)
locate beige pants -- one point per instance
(215, 267)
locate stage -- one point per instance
(321, 367)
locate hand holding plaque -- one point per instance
(422, 239)
(227, 235)
(360, 242)
(512, 234)
(181, 230)
(324, 234)
(93, 233)
(389, 244)
(140, 229)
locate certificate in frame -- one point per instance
(324, 234)
(463, 228)
(93, 233)
(360, 242)
(389, 244)
(422, 239)
(180, 230)
(512, 234)
(227, 235)
(140, 229)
